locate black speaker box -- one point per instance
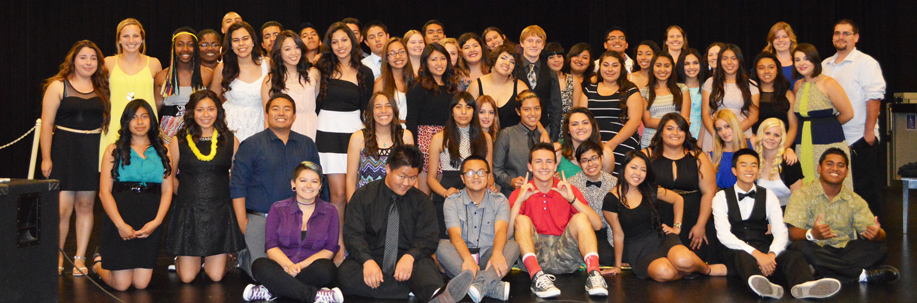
(28, 240)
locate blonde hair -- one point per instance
(124, 23)
(759, 146)
(738, 137)
(533, 30)
(772, 34)
(458, 61)
(408, 34)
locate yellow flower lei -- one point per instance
(197, 152)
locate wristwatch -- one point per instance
(809, 235)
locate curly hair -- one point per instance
(99, 77)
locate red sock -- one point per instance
(592, 262)
(531, 264)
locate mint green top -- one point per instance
(142, 170)
(568, 167)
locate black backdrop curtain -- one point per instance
(37, 34)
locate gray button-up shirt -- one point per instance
(511, 155)
(476, 221)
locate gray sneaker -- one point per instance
(818, 289)
(763, 287)
(500, 291)
(455, 290)
(543, 285)
(595, 284)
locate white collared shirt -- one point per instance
(628, 64)
(374, 63)
(861, 77)
(774, 217)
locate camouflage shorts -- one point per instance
(558, 254)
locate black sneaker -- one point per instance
(883, 274)
(543, 285)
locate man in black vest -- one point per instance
(742, 214)
(540, 78)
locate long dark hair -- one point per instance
(425, 77)
(671, 83)
(99, 77)
(452, 138)
(718, 92)
(231, 61)
(122, 151)
(189, 126)
(329, 64)
(649, 43)
(576, 50)
(279, 68)
(369, 125)
(172, 84)
(647, 188)
(781, 84)
(689, 145)
(387, 76)
(707, 51)
(566, 146)
(463, 67)
(680, 67)
(624, 85)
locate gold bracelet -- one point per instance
(676, 225)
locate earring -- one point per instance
(294, 188)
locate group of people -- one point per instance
(432, 155)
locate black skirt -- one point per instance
(75, 159)
(136, 209)
(639, 253)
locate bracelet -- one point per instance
(677, 225)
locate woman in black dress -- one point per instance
(74, 109)
(651, 247)
(202, 223)
(616, 104)
(680, 166)
(136, 191)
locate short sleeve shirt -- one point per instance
(847, 214)
(549, 212)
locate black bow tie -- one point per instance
(750, 194)
(596, 183)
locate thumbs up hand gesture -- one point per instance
(872, 231)
(822, 231)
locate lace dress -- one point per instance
(243, 106)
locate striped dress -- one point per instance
(607, 111)
(661, 105)
(340, 114)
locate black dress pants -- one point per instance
(424, 281)
(792, 268)
(320, 273)
(864, 163)
(845, 264)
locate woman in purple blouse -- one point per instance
(301, 236)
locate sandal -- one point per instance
(80, 271)
(96, 258)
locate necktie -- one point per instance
(532, 79)
(391, 238)
(534, 137)
(750, 194)
(596, 183)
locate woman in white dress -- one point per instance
(238, 80)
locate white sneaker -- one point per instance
(543, 285)
(595, 284)
(475, 294)
(763, 287)
(326, 295)
(500, 292)
(254, 292)
(818, 289)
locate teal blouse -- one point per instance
(568, 167)
(142, 170)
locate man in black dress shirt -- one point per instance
(371, 270)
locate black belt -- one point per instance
(249, 211)
(136, 187)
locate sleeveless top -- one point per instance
(768, 108)
(506, 113)
(173, 110)
(78, 110)
(123, 89)
(464, 150)
(180, 98)
(205, 182)
(371, 168)
(661, 105)
(243, 106)
(303, 94)
(566, 97)
(140, 169)
(696, 109)
(247, 93)
(607, 111)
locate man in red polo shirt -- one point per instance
(554, 227)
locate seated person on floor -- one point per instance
(554, 226)
(742, 214)
(391, 223)
(477, 221)
(595, 183)
(834, 228)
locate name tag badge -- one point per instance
(475, 254)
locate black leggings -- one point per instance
(320, 273)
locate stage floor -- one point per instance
(166, 287)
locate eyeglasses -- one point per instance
(214, 44)
(397, 54)
(473, 173)
(590, 160)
